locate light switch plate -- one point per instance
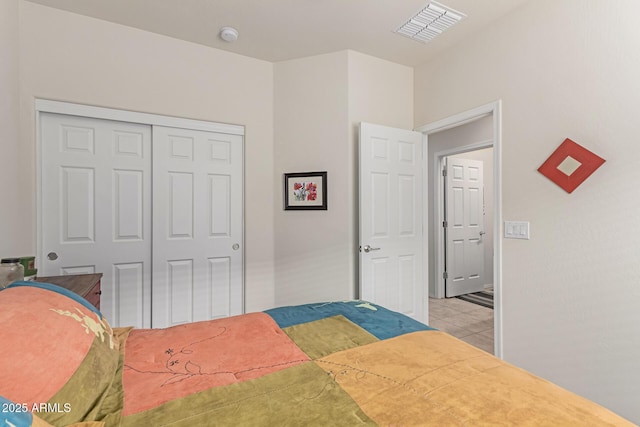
(516, 230)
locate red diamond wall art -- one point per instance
(570, 165)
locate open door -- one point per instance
(392, 265)
(464, 226)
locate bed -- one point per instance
(345, 363)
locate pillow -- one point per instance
(67, 360)
(59, 289)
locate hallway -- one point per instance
(469, 322)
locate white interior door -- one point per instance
(391, 234)
(464, 213)
(95, 203)
(197, 226)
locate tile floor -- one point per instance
(470, 322)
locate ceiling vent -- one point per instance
(430, 22)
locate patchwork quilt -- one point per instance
(327, 364)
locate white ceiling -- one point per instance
(279, 30)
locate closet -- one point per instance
(153, 203)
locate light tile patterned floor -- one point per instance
(470, 322)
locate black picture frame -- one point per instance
(305, 191)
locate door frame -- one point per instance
(82, 110)
(495, 109)
(440, 242)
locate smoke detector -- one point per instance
(431, 21)
(229, 34)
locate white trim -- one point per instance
(459, 119)
(45, 105)
(425, 229)
(39, 249)
(495, 109)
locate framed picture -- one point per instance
(305, 191)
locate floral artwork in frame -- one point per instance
(305, 191)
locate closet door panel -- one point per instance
(95, 209)
(198, 217)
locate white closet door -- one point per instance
(197, 225)
(95, 209)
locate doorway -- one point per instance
(486, 118)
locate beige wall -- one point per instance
(380, 92)
(570, 294)
(72, 58)
(312, 255)
(13, 223)
(319, 103)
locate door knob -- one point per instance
(482, 233)
(368, 248)
(52, 256)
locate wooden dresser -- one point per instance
(85, 285)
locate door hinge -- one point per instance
(445, 275)
(445, 224)
(444, 172)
